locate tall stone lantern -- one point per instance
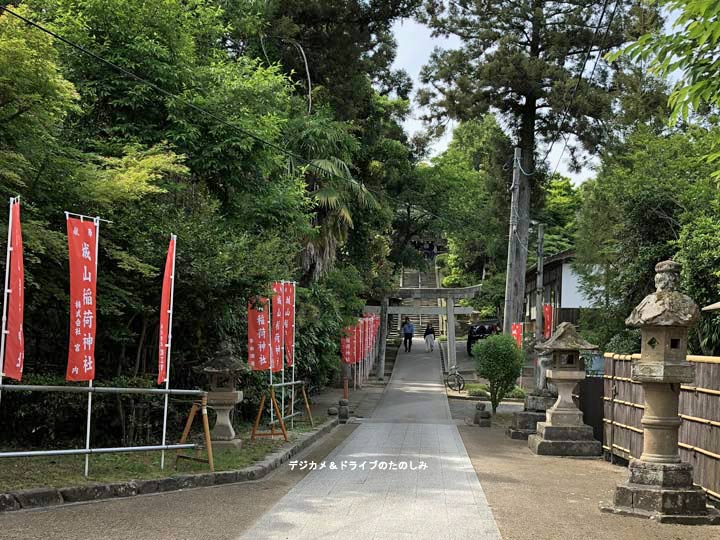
(660, 486)
(222, 370)
(563, 433)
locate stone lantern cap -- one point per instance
(225, 362)
(566, 338)
(666, 306)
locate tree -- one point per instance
(528, 61)
(498, 360)
(691, 48)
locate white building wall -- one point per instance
(572, 296)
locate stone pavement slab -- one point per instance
(435, 496)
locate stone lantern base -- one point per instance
(223, 403)
(525, 423)
(663, 492)
(564, 441)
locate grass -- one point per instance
(481, 390)
(65, 471)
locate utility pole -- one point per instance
(539, 285)
(510, 291)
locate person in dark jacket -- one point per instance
(429, 338)
(408, 329)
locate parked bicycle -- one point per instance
(453, 380)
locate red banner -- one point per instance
(517, 333)
(258, 336)
(165, 321)
(356, 343)
(14, 339)
(82, 250)
(289, 323)
(547, 320)
(278, 326)
(346, 346)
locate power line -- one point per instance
(566, 106)
(592, 74)
(210, 114)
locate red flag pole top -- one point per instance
(166, 306)
(12, 350)
(82, 250)
(259, 336)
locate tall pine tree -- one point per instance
(530, 61)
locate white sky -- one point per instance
(414, 48)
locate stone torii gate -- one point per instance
(449, 295)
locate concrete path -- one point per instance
(435, 496)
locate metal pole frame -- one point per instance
(292, 405)
(6, 295)
(173, 238)
(96, 221)
(282, 346)
(268, 306)
(508, 315)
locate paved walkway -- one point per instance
(412, 424)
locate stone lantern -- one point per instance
(222, 371)
(563, 433)
(660, 485)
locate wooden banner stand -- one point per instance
(202, 405)
(306, 405)
(273, 403)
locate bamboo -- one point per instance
(699, 450)
(700, 390)
(624, 426)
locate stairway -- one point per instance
(411, 278)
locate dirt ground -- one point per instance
(551, 498)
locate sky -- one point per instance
(415, 44)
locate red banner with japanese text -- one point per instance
(82, 250)
(165, 330)
(346, 346)
(289, 323)
(14, 337)
(258, 335)
(517, 333)
(358, 349)
(278, 326)
(547, 320)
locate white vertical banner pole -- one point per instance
(173, 237)
(268, 307)
(282, 346)
(292, 391)
(5, 296)
(96, 222)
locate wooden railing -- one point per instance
(699, 437)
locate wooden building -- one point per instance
(561, 289)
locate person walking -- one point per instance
(429, 338)
(408, 329)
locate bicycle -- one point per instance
(454, 381)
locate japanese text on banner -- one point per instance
(278, 326)
(15, 339)
(517, 333)
(547, 320)
(165, 330)
(82, 250)
(258, 336)
(289, 323)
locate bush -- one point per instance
(625, 342)
(499, 361)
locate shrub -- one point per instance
(499, 361)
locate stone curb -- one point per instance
(487, 400)
(45, 497)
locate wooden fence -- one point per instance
(699, 438)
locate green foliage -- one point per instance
(645, 198)
(498, 360)
(690, 48)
